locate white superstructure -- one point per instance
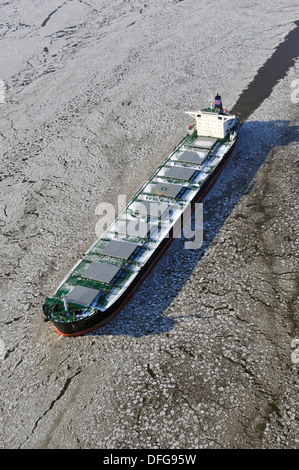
(214, 121)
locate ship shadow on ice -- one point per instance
(146, 313)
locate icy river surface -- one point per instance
(93, 98)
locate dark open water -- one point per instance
(273, 70)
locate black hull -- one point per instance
(99, 319)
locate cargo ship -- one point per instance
(109, 273)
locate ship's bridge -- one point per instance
(213, 121)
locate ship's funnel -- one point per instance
(218, 103)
